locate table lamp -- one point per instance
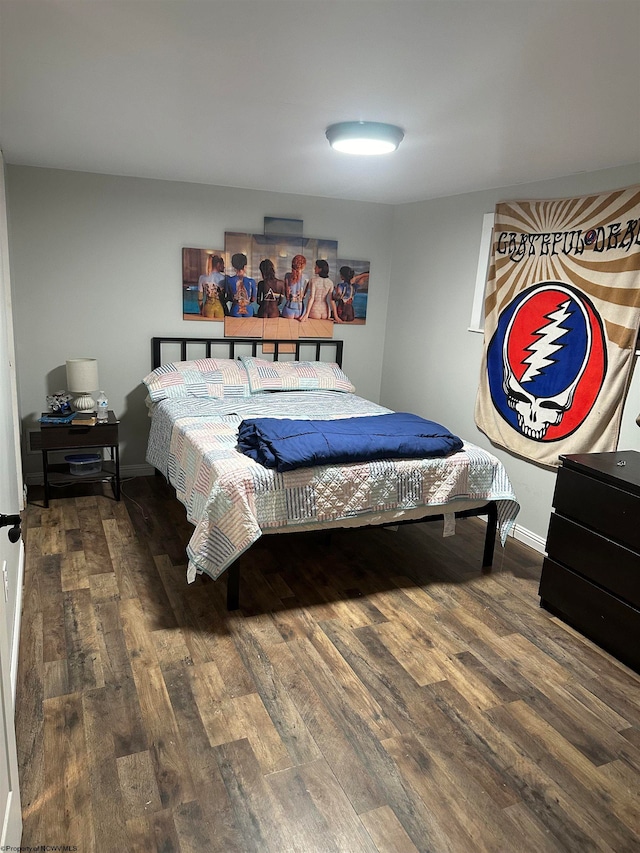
(82, 379)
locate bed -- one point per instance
(201, 390)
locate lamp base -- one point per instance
(84, 403)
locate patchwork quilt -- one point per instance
(232, 500)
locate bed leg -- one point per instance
(490, 536)
(233, 587)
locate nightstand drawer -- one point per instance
(599, 505)
(63, 437)
(596, 557)
(611, 623)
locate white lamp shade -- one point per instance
(82, 374)
(82, 378)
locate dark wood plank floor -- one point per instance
(376, 692)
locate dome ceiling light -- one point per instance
(364, 137)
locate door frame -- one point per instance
(12, 555)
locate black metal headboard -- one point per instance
(303, 349)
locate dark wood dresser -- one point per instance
(591, 575)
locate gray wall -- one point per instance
(96, 272)
(431, 360)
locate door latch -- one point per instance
(12, 521)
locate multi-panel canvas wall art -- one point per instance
(274, 285)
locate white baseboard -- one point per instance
(525, 536)
(528, 538)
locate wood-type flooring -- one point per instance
(376, 692)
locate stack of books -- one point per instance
(74, 418)
(58, 419)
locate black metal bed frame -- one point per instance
(256, 345)
(297, 348)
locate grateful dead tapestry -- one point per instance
(562, 313)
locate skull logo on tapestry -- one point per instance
(547, 361)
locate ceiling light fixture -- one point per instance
(364, 137)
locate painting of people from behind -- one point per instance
(203, 274)
(271, 290)
(283, 267)
(240, 289)
(351, 292)
(297, 285)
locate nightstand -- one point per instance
(56, 437)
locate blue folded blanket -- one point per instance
(284, 444)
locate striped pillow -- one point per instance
(295, 376)
(204, 377)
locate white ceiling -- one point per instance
(239, 92)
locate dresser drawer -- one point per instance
(598, 615)
(603, 561)
(599, 505)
